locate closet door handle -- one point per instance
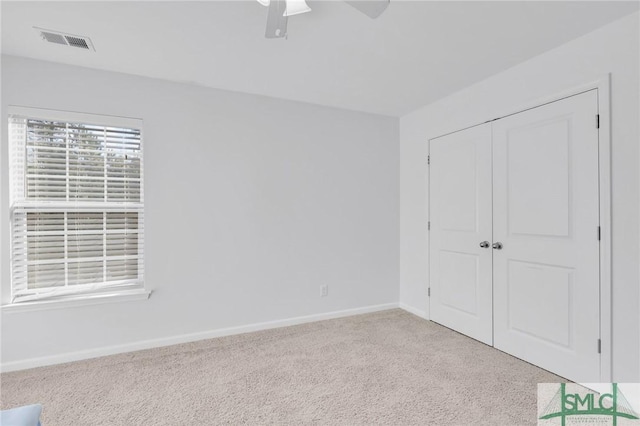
(497, 246)
(484, 244)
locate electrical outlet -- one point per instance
(324, 290)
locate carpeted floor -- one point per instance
(387, 368)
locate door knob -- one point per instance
(497, 246)
(484, 244)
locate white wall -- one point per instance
(251, 204)
(611, 49)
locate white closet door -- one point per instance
(545, 214)
(460, 214)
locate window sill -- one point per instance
(78, 300)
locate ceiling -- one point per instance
(415, 53)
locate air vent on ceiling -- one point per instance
(66, 39)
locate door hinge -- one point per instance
(429, 292)
(599, 346)
(429, 226)
(428, 159)
(597, 121)
(599, 234)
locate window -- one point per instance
(76, 199)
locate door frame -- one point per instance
(602, 85)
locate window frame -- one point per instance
(132, 289)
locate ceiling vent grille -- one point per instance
(66, 39)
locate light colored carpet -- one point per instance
(383, 368)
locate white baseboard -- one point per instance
(415, 311)
(185, 338)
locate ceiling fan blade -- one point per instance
(276, 21)
(371, 8)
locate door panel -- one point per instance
(545, 147)
(546, 215)
(460, 214)
(461, 270)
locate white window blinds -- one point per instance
(76, 204)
